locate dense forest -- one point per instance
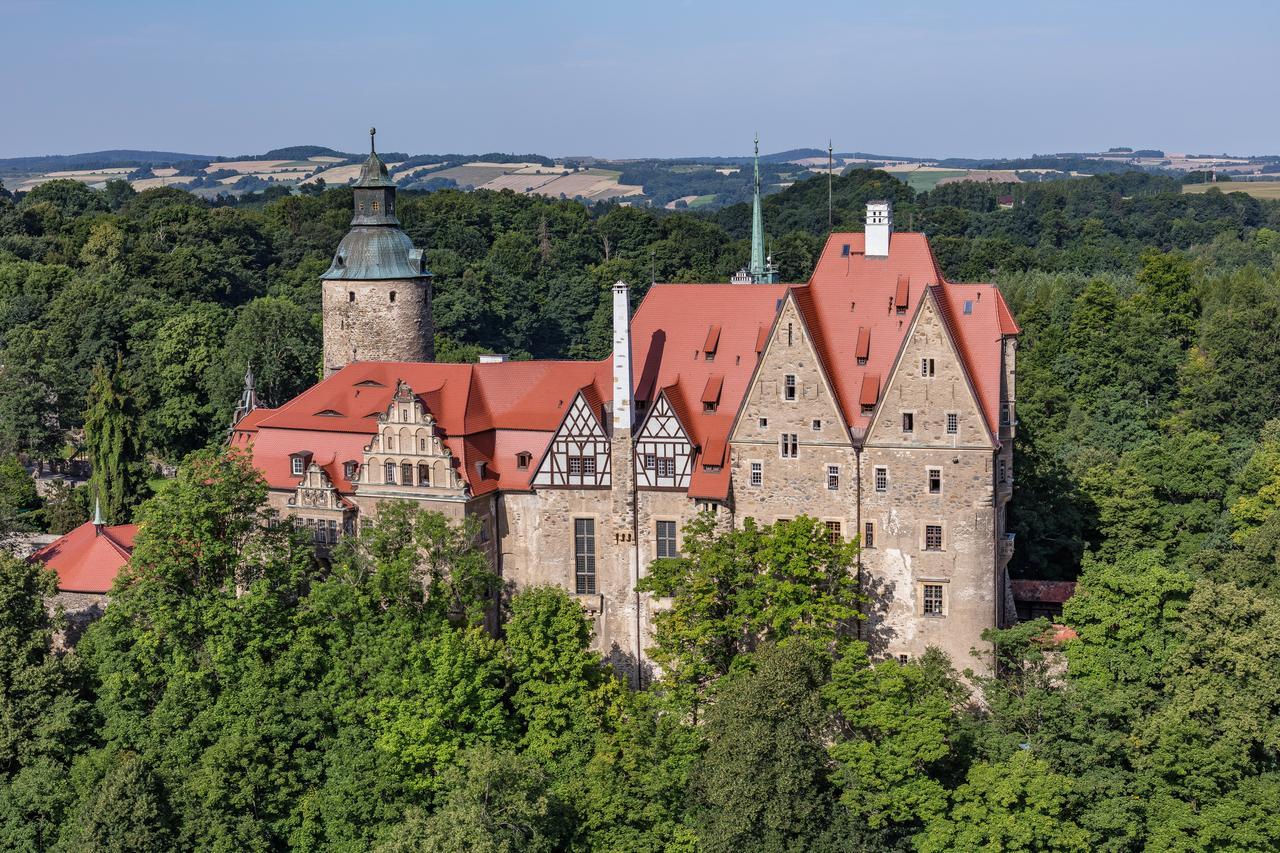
(239, 697)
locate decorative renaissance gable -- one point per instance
(406, 456)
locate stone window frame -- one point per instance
(816, 425)
(833, 478)
(928, 368)
(909, 422)
(944, 598)
(835, 530)
(763, 423)
(868, 535)
(925, 535)
(788, 441)
(754, 467)
(674, 539)
(953, 423)
(790, 388)
(389, 468)
(876, 479)
(589, 585)
(929, 478)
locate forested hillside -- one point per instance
(239, 697)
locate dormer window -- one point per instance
(297, 466)
(523, 460)
(350, 470)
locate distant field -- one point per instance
(1269, 190)
(923, 180)
(702, 200)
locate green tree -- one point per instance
(114, 444)
(126, 813)
(18, 497)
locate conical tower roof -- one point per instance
(374, 172)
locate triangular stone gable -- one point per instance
(579, 452)
(929, 398)
(664, 453)
(790, 351)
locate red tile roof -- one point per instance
(88, 558)
(1043, 592)
(488, 413)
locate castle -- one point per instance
(877, 397)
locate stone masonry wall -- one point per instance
(362, 323)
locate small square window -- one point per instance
(764, 423)
(902, 659)
(932, 599)
(833, 478)
(908, 421)
(933, 537)
(789, 387)
(935, 481)
(708, 407)
(953, 423)
(882, 479)
(868, 535)
(757, 474)
(650, 462)
(817, 425)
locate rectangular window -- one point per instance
(764, 423)
(833, 477)
(297, 466)
(935, 481)
(902, 659)
(789, 387)
(757, 474)
(953, 423)
(575, 466)
(588, 466)
(926, 367)
(882, 479)
(908, 421)
(389, 472)
(650, 461)
(932, 599)
(1004, 414)
(666, 466)
(789, 445)
(667, 539)
(933, 537)
(406, 474)
(584, 555)
(869, 535)
(1001, 469)
(708, 407)
(834, 535)
(349, 470)
(817, 425)
(333, 531)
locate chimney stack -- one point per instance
(622, 408)
(878, 228)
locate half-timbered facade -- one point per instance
(877, 397)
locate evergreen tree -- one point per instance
(114, 444)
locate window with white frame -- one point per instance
(789, 445)
(882, 479)
(789, 386)
(931, 599)
(297, 466)
(757, 473)
(389, 473)
(666, 466)
(833, 477)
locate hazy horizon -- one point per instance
(924, 79)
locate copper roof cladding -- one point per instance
(88, 558)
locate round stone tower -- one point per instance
(376, 295)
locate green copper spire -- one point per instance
(757, 268)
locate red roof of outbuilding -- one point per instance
(88, 558)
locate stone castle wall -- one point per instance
(362, 322)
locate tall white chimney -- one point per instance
(622, 404)
(878, 228)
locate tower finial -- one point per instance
(373, 131)
(97, 514)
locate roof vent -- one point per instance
(492, 358)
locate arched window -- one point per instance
(406, 474)
(424, 474)
(390, 473)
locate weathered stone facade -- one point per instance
(387, 320)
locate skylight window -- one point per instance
(968, 306)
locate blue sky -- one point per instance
(650, 78)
